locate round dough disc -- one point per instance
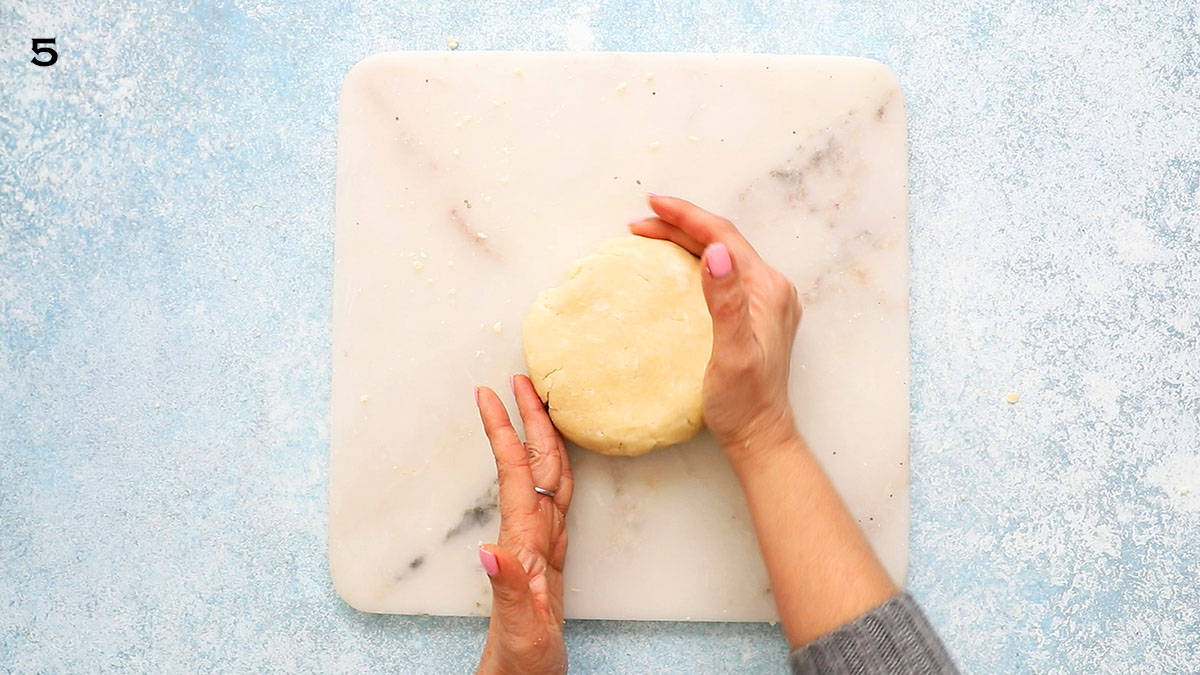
(618, 351)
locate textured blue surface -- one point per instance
(166, 195)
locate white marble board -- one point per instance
(467, 182)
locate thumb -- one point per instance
(512, 601)
(726, 298)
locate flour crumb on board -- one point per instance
(517, 72)
(451, 42)
(1012, 397)
(497, 328)
(649, 76)
(575, 590)
(654, 145)
(478, 353)
(1185, 491)
(456, 153)
(481, 235)
(364, 398)
(693, 138)
(621, 87)
(452, 291)
(418, 265)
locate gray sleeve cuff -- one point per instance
(895, 637)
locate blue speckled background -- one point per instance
(166, 232)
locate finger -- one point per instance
(566, 483)
(657, 228)
(703, 226)
(512, 600)
(727, 303)
(539, 424)
(512, 462)
(541, 438)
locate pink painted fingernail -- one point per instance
(716, 256)
(654, 194)
(489, 562)
(512, 384)
(476, 395)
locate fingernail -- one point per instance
(654, 194)
(476, 395)
(489, 562)
(512, 384)
(716, 257)
(633, 222)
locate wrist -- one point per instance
(774, 433)
(495, 662)
(767, 452)
(501, 658)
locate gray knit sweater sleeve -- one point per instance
(895, 637)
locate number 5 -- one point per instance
(40, 50)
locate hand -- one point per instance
(755, 311)
(525, 568)
(823, 572)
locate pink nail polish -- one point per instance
(716, 257)
(489, 562)
(512, 384)
(476, 395)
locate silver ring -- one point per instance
(544, 491)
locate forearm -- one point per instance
(823, 572)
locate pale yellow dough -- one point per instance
(618, 351)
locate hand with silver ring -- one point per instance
(525, 566)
